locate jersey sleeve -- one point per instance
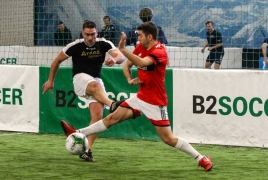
(69, 50)
(161, 36)
(108, 45)
(159, 56)
(219, 37)
(265, 41)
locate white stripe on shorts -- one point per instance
(154, 112)
(81, 81)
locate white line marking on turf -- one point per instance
(9, 134)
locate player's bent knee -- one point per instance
(92, 87)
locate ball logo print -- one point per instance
(76, 143)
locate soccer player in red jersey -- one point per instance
(151, 58)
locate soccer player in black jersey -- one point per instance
(88, 56)
(215, 46)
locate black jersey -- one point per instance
(213, 39)
(88, 59)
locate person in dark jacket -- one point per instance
(108, 30)
(145, 14)
(63, 35)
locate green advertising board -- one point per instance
(62, 103)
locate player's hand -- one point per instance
(48, 85)
(123, 40)
(135, 81)
(109, 62)
(210, 48)
(266, 61)
(168, 64)
(203, 50)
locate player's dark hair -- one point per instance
(89, 24)
(106, 17)
(210, 22)
(146, 14)
(60, 23)
(148, 28)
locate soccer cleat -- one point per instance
(115, 105)
(87, 156)
(67, 129)
(206, 163)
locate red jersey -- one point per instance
(152, 89)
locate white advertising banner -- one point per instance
(17, 55)
(19, 98)
(226, 107)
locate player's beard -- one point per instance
(145, 44)
(210, 30)
(90, 42)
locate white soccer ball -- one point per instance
(76, 143)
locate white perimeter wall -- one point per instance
(244, 92)
(182, 57)
(19, 98)
(246, 99)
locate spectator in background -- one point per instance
(108, 30)
(145, 14)
(63, 35)
(215, 46)
(264, 50)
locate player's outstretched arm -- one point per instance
(203, 49)
(49, 84)
(264, 53)
(128, 74)
(117, 58)
(127, 70)
(136, 60)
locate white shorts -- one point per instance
(81, 81)
(158, 115)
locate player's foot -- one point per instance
(115, 105)
(87, 156)
(206, 163)
(67, 129)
